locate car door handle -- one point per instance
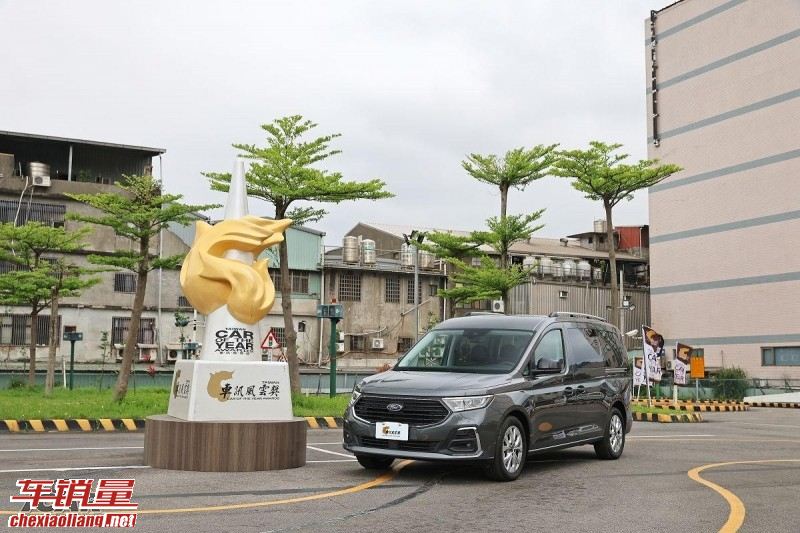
(581, 389)
(568, 392)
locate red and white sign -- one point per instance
(270, 342)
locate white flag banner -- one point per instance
(653, 344)
(638, 372)
(683, 355)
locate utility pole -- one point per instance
(415, 239)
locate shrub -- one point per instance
(730, 384)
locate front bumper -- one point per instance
(448, 440)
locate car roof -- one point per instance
(492, 320)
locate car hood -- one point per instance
(440, 384)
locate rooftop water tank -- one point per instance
(406, 256)
(570, 268)
(600, 226)
(529, 261)
(584, 269)
(557, 269)
(368, 254)
(545, 266)
(597, 274)
(426, 260)
(350, 249)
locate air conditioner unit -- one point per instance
(339, 347)
(670, 364)
(498, 306)
(41, 181)
(377, 344)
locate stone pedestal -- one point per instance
(230, 446)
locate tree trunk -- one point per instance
(612, 259)
(121, 388)
(288, 323)
(51, 352)
(503, 214)
(32, 347)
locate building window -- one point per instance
(280, 335)
(404, 344)
(350, 287)
(410, 292)
(275, 274)
(15, 330)
(299, 282)
(48, 214)
(124, 282)
(120, 326)
(358, 343)
(183, 301)
(433, 290)
(392, 290)
(780, 356)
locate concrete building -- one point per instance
(103, 311)
(723, 103)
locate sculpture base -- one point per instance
(231, 446)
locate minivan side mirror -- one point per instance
(547, 366)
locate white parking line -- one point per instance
(757, 424)
(667, 436)
(334, 461)
(324, 443)
(73, 449)
(72, 469)
(328, 451)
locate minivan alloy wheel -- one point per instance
(512, 449)
(615, 433)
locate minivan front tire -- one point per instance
(511, 450)
(614, 439)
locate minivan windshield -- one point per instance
(485, 351)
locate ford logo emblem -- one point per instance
(394, 407)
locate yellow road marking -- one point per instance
(330, 421)
(61, 425)
(383, 478)
(36, 425)
(312, 422)
(737, 509)
(107, 425)
(12, 425)
(84, 424)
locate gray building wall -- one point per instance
(725, 232)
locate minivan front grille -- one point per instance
(414, 411)
(406, 445)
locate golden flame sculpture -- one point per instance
(210, 279)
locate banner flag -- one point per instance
(638, 372)
(653, 344)
(683, 355)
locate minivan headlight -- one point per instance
(356, 395)
(466, 403)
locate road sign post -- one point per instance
(335, 313)
(72, 337)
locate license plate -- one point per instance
(391, 431)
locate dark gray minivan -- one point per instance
(494, 388)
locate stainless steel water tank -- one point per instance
(584, 269)
(6, 165)
(350, 249)
(368, 254)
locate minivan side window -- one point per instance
(549, 353)
(585, 350)
(613, 350)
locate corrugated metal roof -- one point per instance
(68, 140)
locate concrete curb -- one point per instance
(667, 419)
(786, 405)
(121, 424)
(700, 407)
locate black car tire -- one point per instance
(614, 438)
(510, 439)
(370, 462)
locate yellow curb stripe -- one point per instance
(129, 424)
(737, 509)
(36, 425)
(383, 478)
(84, 424)
(107, 425)
(330, 421)
(12, 425)
(312, 422)
(61, 425)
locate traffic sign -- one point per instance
(270, 341)
(73, 335)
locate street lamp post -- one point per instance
(415, 239)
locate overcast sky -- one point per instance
(412, 87)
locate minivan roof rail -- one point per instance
(477, 313)
(568, 314)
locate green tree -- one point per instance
(284, 173)
(39, 276)
(138, 212)
(517, 169)
(601, 174)
(449, 246)
(486, 282)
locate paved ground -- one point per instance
(648, 489)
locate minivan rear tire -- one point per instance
(370, 462)
(613, 442)
(510, 451)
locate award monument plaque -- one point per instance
(229, 410)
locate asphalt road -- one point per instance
(648, 489)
